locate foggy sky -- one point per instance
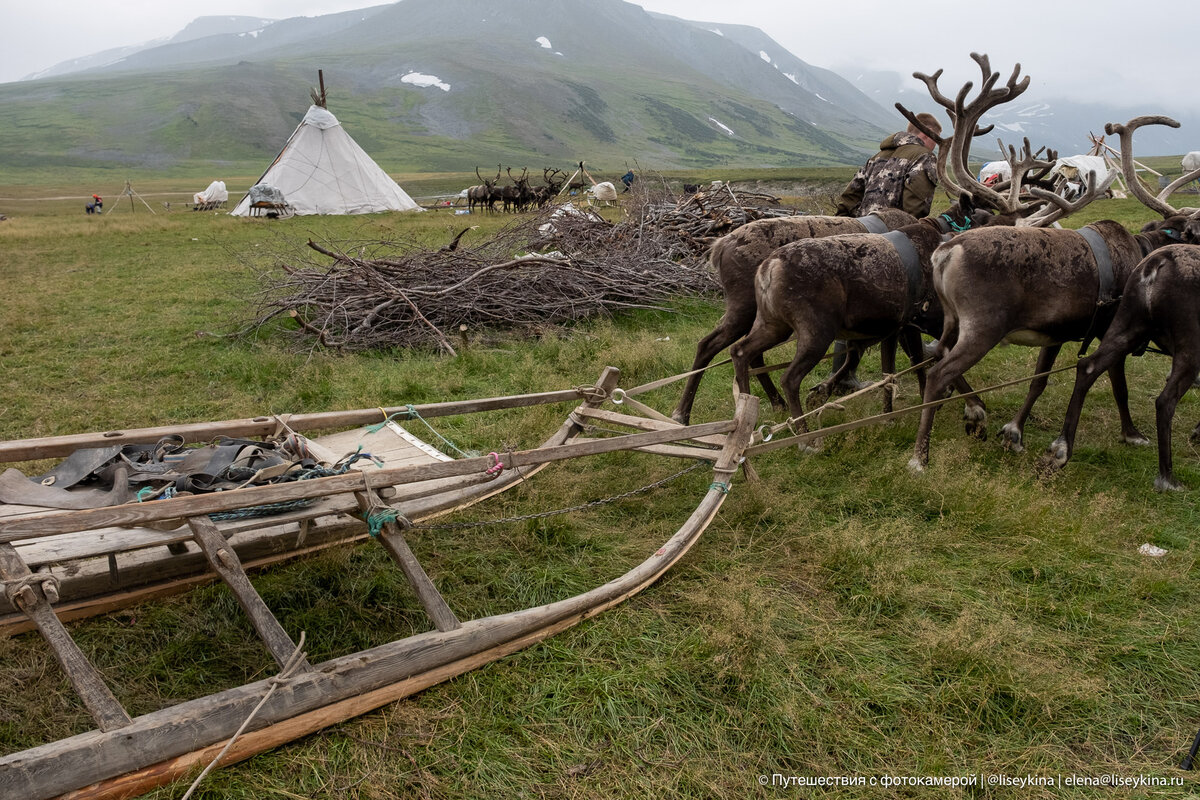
(1088, 51)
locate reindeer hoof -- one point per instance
(1011, 438)
(975, 422)
(1136, 439)
(1166, 483)
(915, 466)
(1055, 457)
(817, 395)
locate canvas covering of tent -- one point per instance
(322, 170)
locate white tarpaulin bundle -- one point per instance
(215, 193)
(1077, 169)
(321, 170)
(604, 190)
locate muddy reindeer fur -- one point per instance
(854, 287)
(735, 258)
(1160, 304)
(1038, 287)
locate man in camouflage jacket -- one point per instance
(903, 174)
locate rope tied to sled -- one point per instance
(285, 675)
(410, 412)
(378, 516)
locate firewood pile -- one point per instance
(542, 271)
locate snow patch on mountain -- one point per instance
(425, 81)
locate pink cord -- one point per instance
(497, 467)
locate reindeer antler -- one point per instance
(953, 153)
(1158, 204)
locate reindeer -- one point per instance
(554, 178)
(484, 194)
(736, 256)
(868, 286)
(1037, 287)
(856, 287)
(516, 197)
(1160, 304)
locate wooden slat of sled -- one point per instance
(642, 423)
(224, 561)
(678, 451)
(386, 445)
(15, 623)
(392, 539)
(56, 446)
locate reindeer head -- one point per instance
(489, 184)
(963, 215)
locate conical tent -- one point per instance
(321, 170)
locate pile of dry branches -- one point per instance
(548, 269)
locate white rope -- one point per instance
(283, 677)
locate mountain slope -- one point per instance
(426, 85)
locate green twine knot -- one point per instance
(723, 488)
(376, 518)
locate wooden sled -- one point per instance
(126, 757)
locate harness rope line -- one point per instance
(410, 412)
(378, 516)
(646, 387)
(759, 437)
(283, 677)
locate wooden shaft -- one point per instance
(90, 687)
(225, 562)
(58, 446)
(392, 539)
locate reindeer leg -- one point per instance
(887, 365)
(768, 385)
(964, 354)
(732, 327)
(808, 354)
(1012, 435)
(762, 337)
(1120, 389)
(1087, 372)
(1183, 371)
(914, 348)
(834, 384)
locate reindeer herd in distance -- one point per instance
(990, 270)
(519, 195)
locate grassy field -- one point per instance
(842, 616)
